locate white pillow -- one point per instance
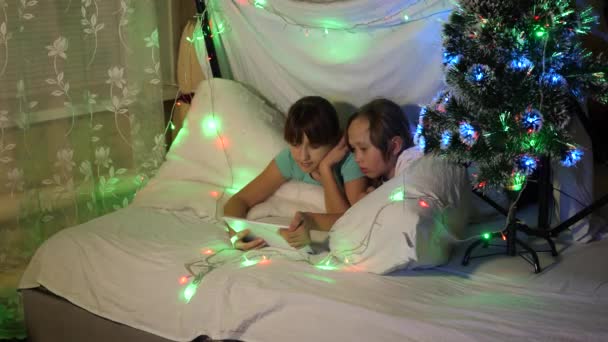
(252, 133)
(290, 197)
(382, 233)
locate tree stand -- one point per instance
(509, 235)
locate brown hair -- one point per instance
(315, 117)
(386, 121)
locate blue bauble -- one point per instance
(571, 157)
(532, 120)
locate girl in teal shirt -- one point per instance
(317, 154)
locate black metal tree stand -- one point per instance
(544, 231)
(509, 235)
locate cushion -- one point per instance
(290, 197)
(229, 136)
(408, 222)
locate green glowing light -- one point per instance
(326, 31)
(248, 263)
(260, 3)
(189, 292)
(211, 125)
(233, 239)
(503, 121)
(220, 28)
(231, 191)
(540, 32)
(237, 227)
(518, 181)
(397, 195)
(317, 277)
(406, 17)
(487, 236)
(326, 267)
(172, 126)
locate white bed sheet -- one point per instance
(126, 266)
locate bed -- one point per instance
(163, 269)
(129, 275)
(136, 294)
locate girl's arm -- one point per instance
(258, 190)
(337, 202)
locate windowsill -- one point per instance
(41, 116)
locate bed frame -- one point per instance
(50, 318)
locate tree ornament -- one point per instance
(418, 134)
(446, 140)
(526, 164)
(521, 64)
(451, 60)
(517, 181)
(468, 134)
(480, 74)
(422, 143)
(532, 120)
(441, 100)
(571, 157)
(554, 79)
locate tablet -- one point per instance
(269, 232)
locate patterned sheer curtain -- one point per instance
(81, 121)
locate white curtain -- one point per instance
(348, 51)
(81, 121)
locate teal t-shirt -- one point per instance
(344, 171)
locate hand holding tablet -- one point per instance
(269, 232)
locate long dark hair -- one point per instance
(386, 121)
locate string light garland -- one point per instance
(395, 18)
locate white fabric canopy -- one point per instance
(347, 51)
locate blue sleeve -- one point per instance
(285, 163)
(350, 170)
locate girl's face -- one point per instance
(307, 155)
(368, 157)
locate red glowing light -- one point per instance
(264, 260)
(222, 143)
(183, 280)
(504, 237)
(536, 17)
(423, 203)
(178, 103)
(208, 251)
(214, 194)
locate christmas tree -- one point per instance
(516, 76)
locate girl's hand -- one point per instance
(298, 233)
(239, 243)
(335, 155)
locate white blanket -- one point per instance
(126, 267)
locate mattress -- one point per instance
(127, 267)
